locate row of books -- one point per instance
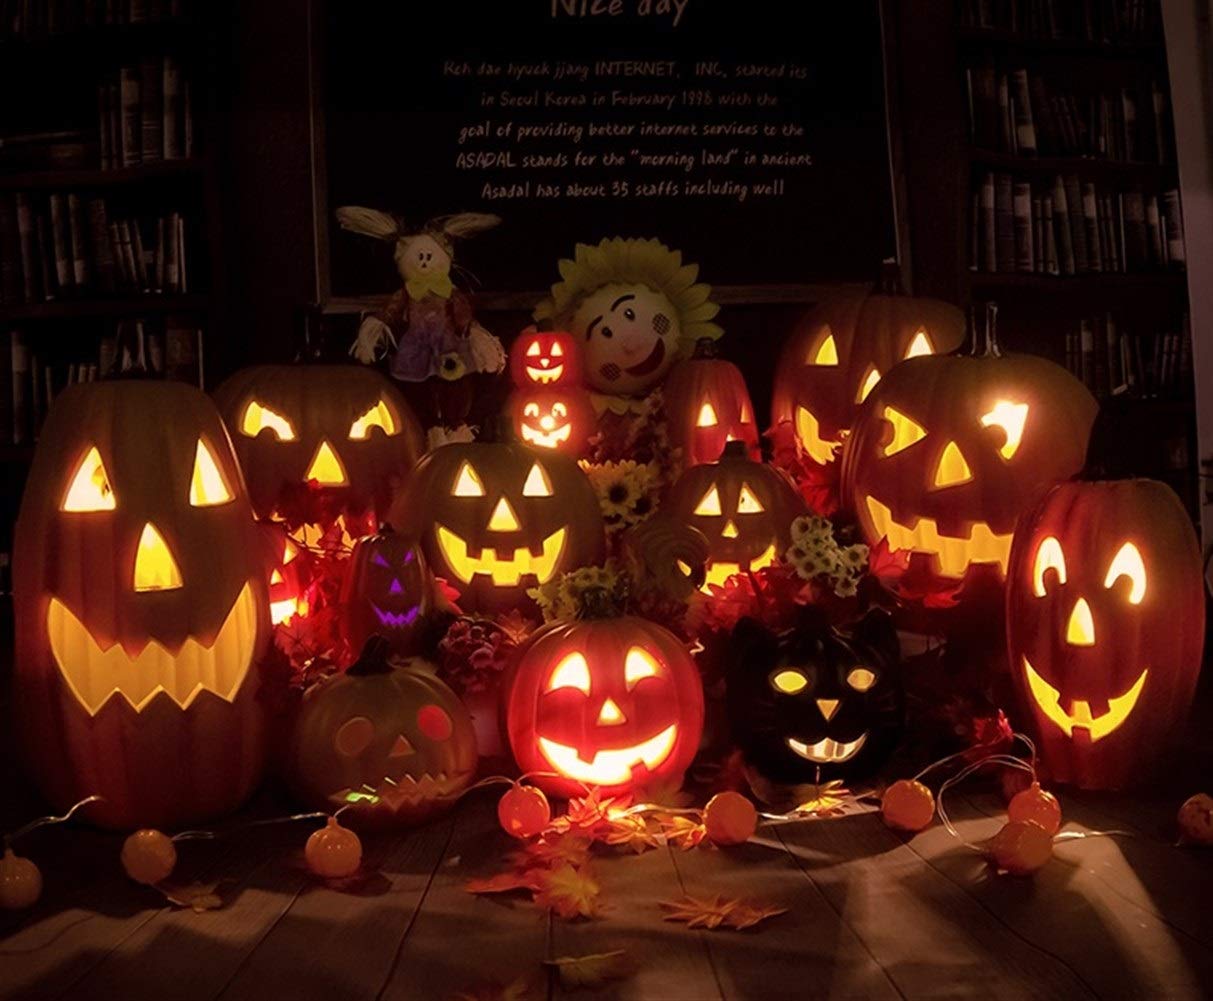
(1066, 226)
(1017, 112)
(1080, 20)
(1113, 361)
(38, 18)
(64, 245)
(29, 382)
(145, 114)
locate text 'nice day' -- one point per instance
(616, 8)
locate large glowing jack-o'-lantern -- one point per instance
(948, 450)
(708, 406)
(497, 518)
(615, 703)
(342, 430)
(559, 419)
(387, 591)
(841, 348)
(1105, 625)
(142, 608)
(745, 510)
(545, 359)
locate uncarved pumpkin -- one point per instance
(141, 602)
(1105, 627)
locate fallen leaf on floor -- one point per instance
(503, 882)
(632, 833)
(569, 892)
(552, 850)
(517, 990)
(718, 912)
(589, 816)
(682, 832)
(828, 800)
(591, 971)
(198, 897)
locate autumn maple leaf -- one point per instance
(747, 915)
(568, 892)
(631, 832)
(682, 832)
(718, 912)
(591, 815)
(517, 990)
(198, 897)
(552, 850)
(827, 800)
(592, 971)
(503, 882)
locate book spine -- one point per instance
(172, 261)
(151, 109)
(1061, 220)
(1004, 222)
(1086, 344)
(172, 122)
(21, 385)
(1090, 216)
(1021, 203)
(1078, 226)
(99, 245)
(1038, 231)
(61, 240)
(1050, 236)
(75, 218)
(10, 254)
(46, 256)
(1154, 230)
(132, 130)
(103, 130)
(1176, 250)
(1025, 126)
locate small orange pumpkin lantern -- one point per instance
(545, 359)
(559, 419)
(708, 406)
(1105, 626)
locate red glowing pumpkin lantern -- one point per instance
(545, 359)
(559, 419)
(708, 406)
(1105, 627)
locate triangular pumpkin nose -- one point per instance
(729, 531)
(503, 518)
(401, 748)
(952, 468)
(326, 468)
(155, 568)
(611, 714)
(828, 708)
(1080, 630)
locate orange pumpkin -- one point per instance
(559, 419)
(545, 359)
(708, 405)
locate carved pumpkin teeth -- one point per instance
(546, 439)
(405, 791)
(827, 750)
(718, 571)
(95, 675)
(954, 553)
(504, 571)
(1080, 715)
(609, 767)
(544, 375)
(396, 620)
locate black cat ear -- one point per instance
(876, 630)
(750, 643)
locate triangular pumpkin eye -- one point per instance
(90, 488)
(827, 351)
(920, 345)
(709, 505)
(467, 483)
(537, 483)
(747, 503)
(379, 416)
(906, 432)
(207, 485)
(707, 416)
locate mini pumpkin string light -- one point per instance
(20, 878)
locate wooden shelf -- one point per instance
(1150, 51)
(128, 306)
(1171, 282)
(1071, 165)
(96, 178)
(100, 40)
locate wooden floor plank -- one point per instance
(808, 950)
(1119, 949)
(930, 937)
(460, 941)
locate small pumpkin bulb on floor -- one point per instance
(908, 805)
(730, 819)
(148, 856)
(1196, 820)
(333, 852)
(1020, 848)
(20, 882)
(1037, 804)
(523, 811)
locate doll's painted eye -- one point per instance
(629, 314)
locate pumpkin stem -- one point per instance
(889, 281)
(706, 347)
(374, 658)
(735, 449)
(598, 603)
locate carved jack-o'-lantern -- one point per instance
(708, 406)
(815, 704)
(615, 703)
(388, 739)
(560, 419)
(497, 518)
(545, 359)
(343, 428)
(744, 508)
(387, 591)
(141, 608)
(1105, 625)
(948, 450)
(840, 350)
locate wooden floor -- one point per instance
(870, 915)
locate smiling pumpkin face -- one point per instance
(559, 419)
(1105, 620)
(630, 336)
(545, 359)
(614, 703)
(142, 607)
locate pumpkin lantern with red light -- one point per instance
(141, 607)
(615, 703)
(709, 406)
(1105, 626)
(545, 359)
(841, 348)
(559, 419)
(497, 518)
(744, 508)
(387, 590)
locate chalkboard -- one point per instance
(751, 134)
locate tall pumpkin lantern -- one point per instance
(140, 591)
(841, 348)
(708, 406)
(744, 508)
(948, 450)
(1105, 628)
(387, 591)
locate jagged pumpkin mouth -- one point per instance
(403, 793)
(504, 571)
(954, 553)
(546, 439)
(1080, 717)
(718, 571)
(396, 620)
(609, 767)
(827, 750)
(96, 674)
(544, 375)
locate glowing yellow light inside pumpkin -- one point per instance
(326, 468)
(90, 488)
(571, 672)
(503, 518)
(789, 682)
(610, 714)
(743, 415)
(257, 418)
(533, 350)
(685, 568)
(612, 767)
(1048, 555)
(155, 568)
(1080, 630)
(861, 679)
(467, 482)
(808, 431)
(1011, 417)
(207, 485)
(1128, 563)
(379, 416)
(952, 469)
(729, 531)
(1048, 699)
(905, 431)
(827, 351)
(709, 504)
(557, 351)
(638, 663)
(747, 503)
(286, 609)
(289, 551)
(276, 577)
(537, 483)
(920, 345)
(868, 384)
(827, 708)
(707, 417)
